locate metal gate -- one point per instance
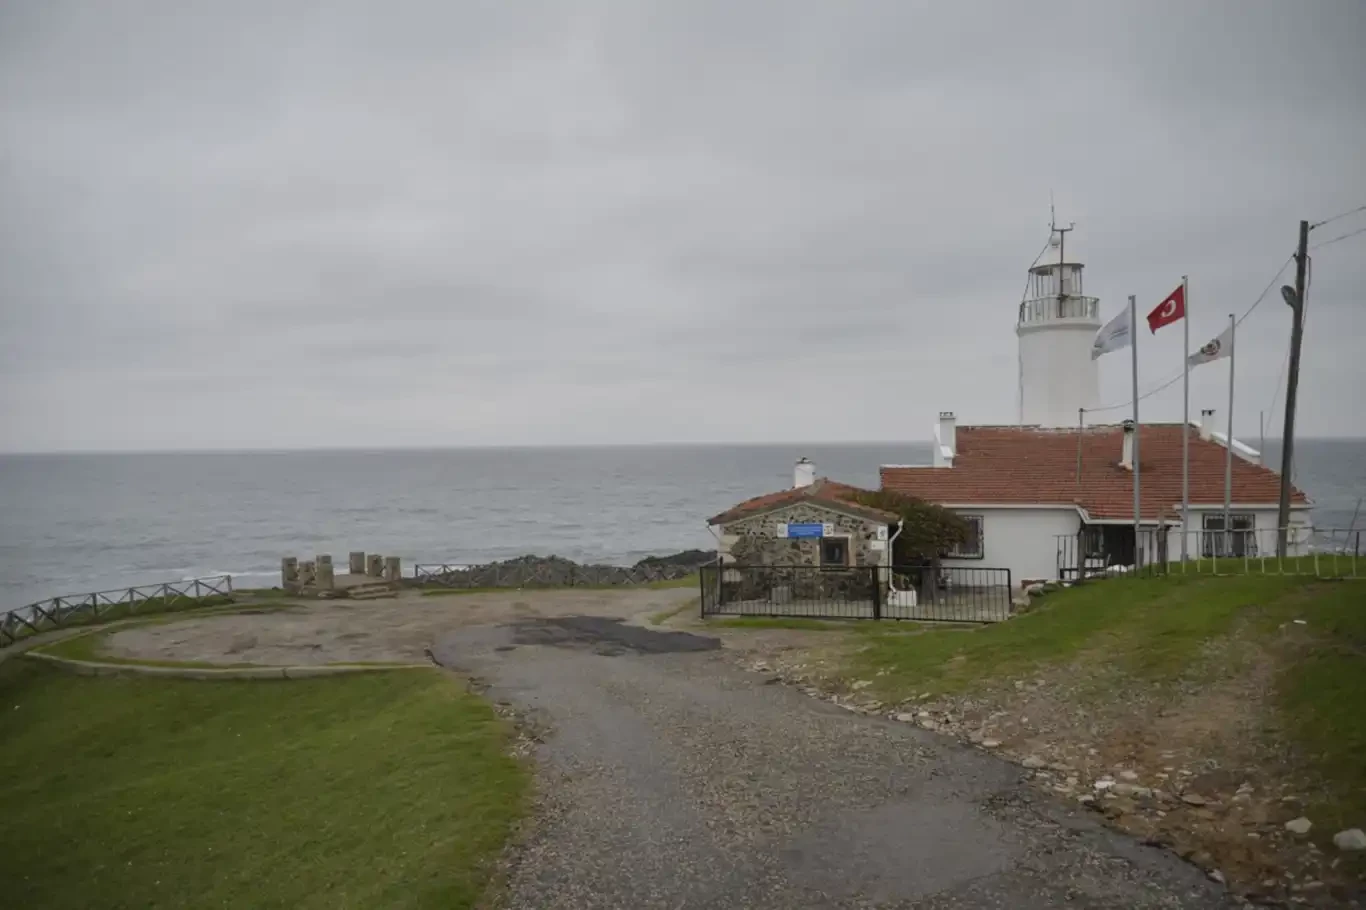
(945, 594)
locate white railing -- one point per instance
(1109, 550)
(1047, 309)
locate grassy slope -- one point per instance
(89, 646)
(1157, 628)
(383, 789)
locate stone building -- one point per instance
(818, 522)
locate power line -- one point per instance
(1170, 382)
(1319, 224)
(1269, 285)
(1148, 394)
(1280, 377)
(1339, 237)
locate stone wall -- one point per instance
(754, 541)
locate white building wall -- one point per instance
(1021, 540)
(1057, 374)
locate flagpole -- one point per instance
(1133, 337)
(1228, 454)
(1185, 418)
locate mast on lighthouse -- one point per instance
(1056, 327)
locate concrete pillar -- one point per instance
(323, 578)
(289, 571)
(357, 566)
(308, 571)
(374, 565)
(393, 568)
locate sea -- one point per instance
(76, 523)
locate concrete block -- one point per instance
(357, 562)
(393, 568)
(308, 571)
(323, 579)
(374, 565)
(289, 571)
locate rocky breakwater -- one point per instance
(556, 571)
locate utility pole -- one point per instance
(1292, 387)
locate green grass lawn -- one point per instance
(785, 622)
(1149, 626)
(387, 789)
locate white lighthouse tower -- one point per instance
(1056, 327)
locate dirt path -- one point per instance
(400, 629)
(670, 778)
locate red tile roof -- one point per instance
(1029, 465)
(824, 492)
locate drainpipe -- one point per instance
(891, 553)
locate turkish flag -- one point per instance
(1170, 310)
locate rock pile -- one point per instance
(556, 571)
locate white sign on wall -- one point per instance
(877, 545)
(828, 529)
(881, 534)
(780, 529)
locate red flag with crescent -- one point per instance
(1170, 310)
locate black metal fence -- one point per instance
(946, 594)
(78, 609)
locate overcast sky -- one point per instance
(285, 223)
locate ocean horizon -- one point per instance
(75, 522)
(1272, 445)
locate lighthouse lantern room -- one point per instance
(1057, 325)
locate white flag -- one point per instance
(1214, 350)
(1114, 336)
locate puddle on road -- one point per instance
(609, 637)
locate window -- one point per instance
(1241, 540)
(972, 548)
(835, 551)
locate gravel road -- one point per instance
(671, 778)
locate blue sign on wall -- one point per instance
(813, 529)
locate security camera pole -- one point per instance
(1295, 297)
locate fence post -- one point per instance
(877, 593)
(702, 591)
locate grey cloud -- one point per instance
(328, 223)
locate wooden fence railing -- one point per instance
(77, 609)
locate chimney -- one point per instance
(945, 440)
(803, 474)
(1126, 459)
(1207, 416)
